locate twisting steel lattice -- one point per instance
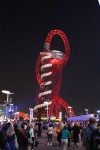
(49, 73)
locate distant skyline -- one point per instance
(23, 29)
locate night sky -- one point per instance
(24, 26)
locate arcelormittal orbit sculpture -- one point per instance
(49, 73)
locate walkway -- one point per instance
(43, 145)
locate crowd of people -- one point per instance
(18, 135)
(22, 135)
(87, 133)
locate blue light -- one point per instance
(10, 110)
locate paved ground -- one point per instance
(43, 145)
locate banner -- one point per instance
(60, 116)
(31, 114)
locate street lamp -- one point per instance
(98, 114)
(47, 104)
(87, 111)
(69, 107)
(98, 111)
(69, 113)
(7, 101)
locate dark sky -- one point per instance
(24, 26)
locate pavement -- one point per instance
(43, 144)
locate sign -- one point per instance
(60, 116)
(31, 114)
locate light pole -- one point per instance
(47, 104)
(87, 111)
(69, 111)
(69, 107)
(98, 114)
(7, 101)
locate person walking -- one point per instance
(4, 145)
(11, 137)
(31, 136)
(69, 129)
(88, 135)
(65, 134)
(50, 132)
(76, 134)
(22, 138)
(97, 136)
(58, 131)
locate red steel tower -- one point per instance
(49, 73)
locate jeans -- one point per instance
(64, 143)
(49, 138)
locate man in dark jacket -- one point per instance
(88, 136)
(22, 138)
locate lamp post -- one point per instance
(47, 104)
(69, 107)
(69, 111)
(7, 101)
(98, 111)
(87, 111)
(98, 114)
